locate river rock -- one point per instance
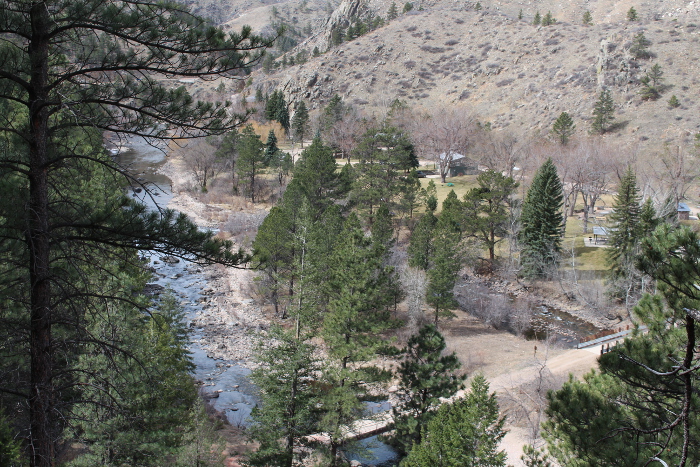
(170, 259)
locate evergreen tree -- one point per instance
(625, 232)
(271, 148)
(285, 416)
(537, 19)
(71, 219)
(227, 152)
(641, 404)
(384, 153)
(317, 177)
(640, 47)
(300, 123)
(426, 376)
(632, 14)
(251, 159)
(548, 19)
(276, 108)
(603, 113)
(487, 209)
(587, 18)
(520, 14)
(393, 12)
(563, 128)
(541, 221)
(673, 102)
(445, 263)
(408, 6)
(464, 433)
(357, 314)
(420, 248)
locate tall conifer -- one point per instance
(541, 221)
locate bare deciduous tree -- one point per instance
(201, 161)
(443, 136)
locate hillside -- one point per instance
(517, 76)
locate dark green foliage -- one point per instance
(393, 12)
(673, 102)
(316, 52)
(155, 393)
(652, 83)
(537, 19)
(464, 433)
(251, 159)
(358, 286)
(632, 14)
(564, 128)
(271, 148)
(533, 457)
(300, 123)
(316, 174)
(640, 47)
(548, 19)
(442, 273)
(276, 109)
(9, 446)
(624, 235)
(587, 19)
(520, 14)
(420, 248)
(603, 113)
(541, 221)
(384, 154)
(477, 7)
(408, 6)
(285, 416)
(643, 403)
(426, 375)
(488, 209)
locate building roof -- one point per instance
(603, 231)
(682, 207)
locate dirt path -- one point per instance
(231, 313)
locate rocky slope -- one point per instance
(517, 76)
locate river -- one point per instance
(225, 380)
(228, 383)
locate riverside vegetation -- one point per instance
(96, 372)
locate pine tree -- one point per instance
(603, 113)
(384, 154)
(464, 433)
(285, 416)
(640, 47)
(58, 57)
(639, 406)
(315, 172)
(564, 128)
(357, 314)
(445, 263)
(673, 102)
(393, 12)
(537, 19)
(487, 209)
(625, 231)
(300, 123)
(271, 148)
(520, 14)
(251, 159)
(541, 221)
(426, 376)
(632, 14)
(548, 19)
(420, 248)
(587, 18)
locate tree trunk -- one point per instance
(37, 237)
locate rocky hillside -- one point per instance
(517, 76)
